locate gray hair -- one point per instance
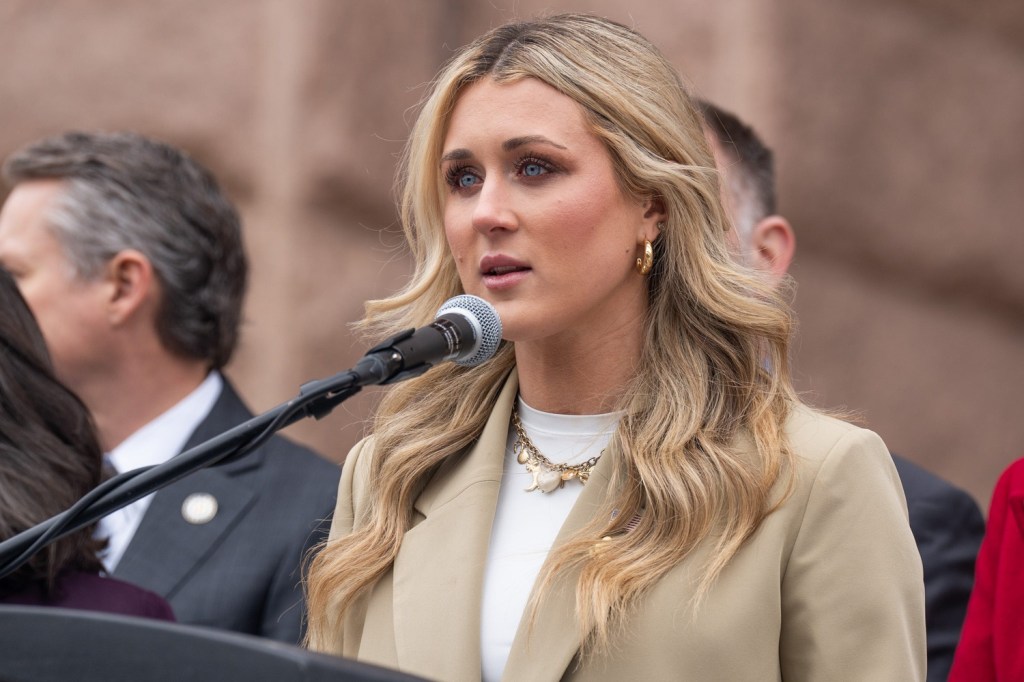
(124, 191)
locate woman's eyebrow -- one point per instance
(515, 142)
(507, 145)
(456, 155)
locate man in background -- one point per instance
(132, 260)
(945, 521)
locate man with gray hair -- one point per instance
(132, 260)
(945, 521)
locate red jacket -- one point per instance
(992, 642)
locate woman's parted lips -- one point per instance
(500, 264)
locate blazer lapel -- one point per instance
(439, 570)
(545, 651)
(166, 547)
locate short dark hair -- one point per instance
(49, 452)
(742, 143)
(125, 191)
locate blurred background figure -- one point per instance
(132, 260)
(49, 458)
(946, 522)
(992, 644)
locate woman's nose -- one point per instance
(494, 209)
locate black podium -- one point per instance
(60, 645)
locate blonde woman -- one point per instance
(630, 488)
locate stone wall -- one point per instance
(896, 127)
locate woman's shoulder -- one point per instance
(352, 488)
(357, 462)
(824, 445)
(815, 436)
(843, 480)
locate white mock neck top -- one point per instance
(526, 523)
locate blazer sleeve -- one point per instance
(852, 593)
(351, 494)
(351, 488)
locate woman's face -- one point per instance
(534, 217)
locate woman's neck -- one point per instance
(582, 375)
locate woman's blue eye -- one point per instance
(533, 169)
(461, 178)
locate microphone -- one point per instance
(466, 330)
(477, 329)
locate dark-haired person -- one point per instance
(132, 260)
(945, 520)
(49, 458)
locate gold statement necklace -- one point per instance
(547, 475)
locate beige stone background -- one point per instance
(898, 133)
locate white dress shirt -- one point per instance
(526, 523)
(154, 443)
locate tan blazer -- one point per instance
(829, 588)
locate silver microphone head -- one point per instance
(486, 324)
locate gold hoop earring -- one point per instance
(645, 262)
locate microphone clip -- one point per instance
(394, 361)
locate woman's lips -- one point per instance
(502, 278)
(502, 272)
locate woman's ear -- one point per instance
(654, 219)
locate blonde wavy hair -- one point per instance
(714, 359)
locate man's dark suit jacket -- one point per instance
(948, 527)
(241, 570)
